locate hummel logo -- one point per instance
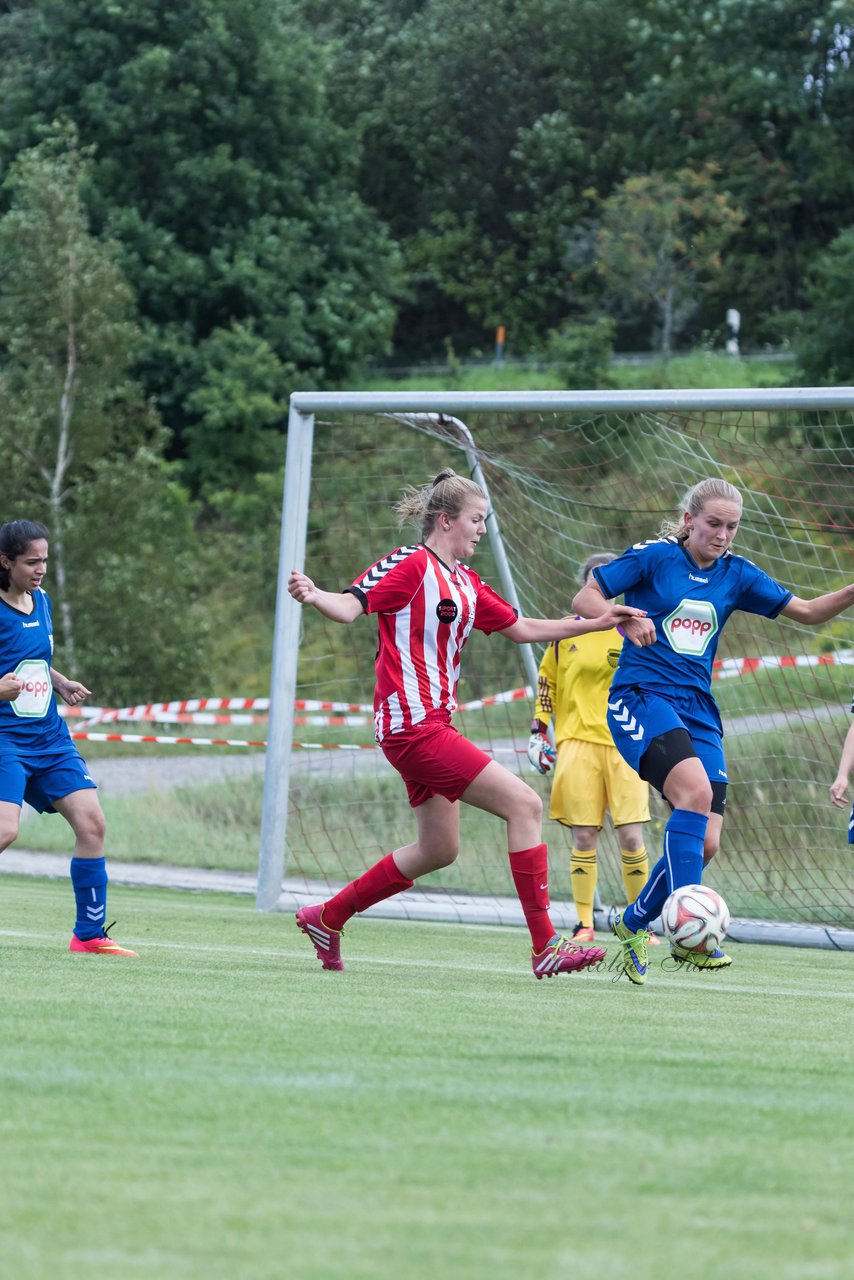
(694, 578)
(31, 624)
(382, 567)
(626, 720)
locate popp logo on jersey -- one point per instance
(34, 699)
(691, 627)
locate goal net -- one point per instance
(567, 475)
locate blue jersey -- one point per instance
(689, 607)
(31, 725)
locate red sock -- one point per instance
(530, 869)
(382, 880)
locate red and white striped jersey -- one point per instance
(425, 611)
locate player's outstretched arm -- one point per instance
(839, 786)
(72, 692)
(545, 630)
(821, 609)
(338, 606)
(593, 606)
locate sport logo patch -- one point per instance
(613, 657)
(446, 610)
(691, 627)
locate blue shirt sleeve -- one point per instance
(628, 570)
(760, 593)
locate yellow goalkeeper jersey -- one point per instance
(573, 682)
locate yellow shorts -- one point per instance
(590, 778)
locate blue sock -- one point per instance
(682, 863)
(683, 848)
(652, 897)
(89, 881)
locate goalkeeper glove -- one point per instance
(541, 753)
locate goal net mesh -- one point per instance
(565, 485)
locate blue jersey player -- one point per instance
(661, 713)
(39, 762)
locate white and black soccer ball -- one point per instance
(695, 917)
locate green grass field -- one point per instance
(222, 1108)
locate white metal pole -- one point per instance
(496, 543)
(283, 683)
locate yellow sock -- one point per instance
(635, 872)
(583, 878)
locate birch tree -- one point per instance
(66, 338)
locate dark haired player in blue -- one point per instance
(661, 712)
(39, 762)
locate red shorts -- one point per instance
(434, 760)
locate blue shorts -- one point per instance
(851, 826)
(42, 779)
(636, 716)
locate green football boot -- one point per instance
(634, 950)
(701, 959)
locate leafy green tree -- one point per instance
(222, 175)
(659, 239)
(144, 631)
(482, 124)
(766, 91)
(581, 354)
(81, 445)
(823, 333)
(65, 330)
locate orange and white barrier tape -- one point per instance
(195, 707)
(83, 736)
(238, 711)
(726, 668)
(162, 740)
(110, 715)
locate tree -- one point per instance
(659, 238)
(823, 333)
(81, 445)
(482, 122)
(766, 91)
(65, 330)
(221, 174)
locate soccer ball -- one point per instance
(695, 917)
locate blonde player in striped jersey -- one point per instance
(427, 601)
(591, 776)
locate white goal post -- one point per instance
(569, 472)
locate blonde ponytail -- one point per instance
(448, 493)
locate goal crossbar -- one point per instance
(803, 399)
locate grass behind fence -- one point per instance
(223, 1108)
